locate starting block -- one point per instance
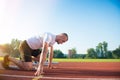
(45, 63)
(35, 65)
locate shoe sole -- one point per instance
(6, 62)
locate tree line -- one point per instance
(100, 52)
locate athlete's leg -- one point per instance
(26, 61)
(21, 64)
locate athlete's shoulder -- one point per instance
(48, 33)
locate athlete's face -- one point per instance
(62, 39)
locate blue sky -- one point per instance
(87, 22)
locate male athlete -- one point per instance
(27, 51)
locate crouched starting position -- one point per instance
(36, 48)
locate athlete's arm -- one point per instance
(50, 57)
(42, 59)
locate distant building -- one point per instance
(69, 53)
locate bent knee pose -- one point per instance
(36, 48)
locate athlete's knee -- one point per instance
(28, 66)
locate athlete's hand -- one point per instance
(50, 66)
(39, 71)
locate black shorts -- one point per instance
(26, 52)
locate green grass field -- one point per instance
(86, 60)
(81, 60)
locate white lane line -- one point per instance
(58, 78)
(7, 75)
